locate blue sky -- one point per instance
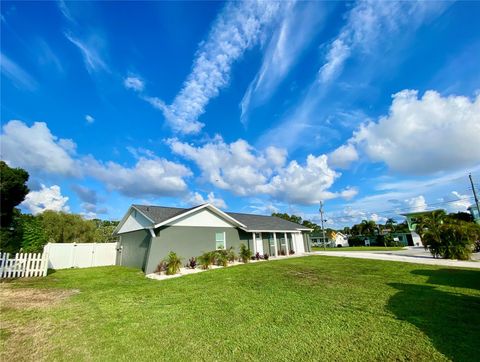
(372, 107)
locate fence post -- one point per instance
(4, 260)
(44, 263)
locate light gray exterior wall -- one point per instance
(134, 249)
(191, 241)
(306, 241)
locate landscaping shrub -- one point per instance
(192, 263)
(173, 263)
(245, 253)
(221, 258)
(161, 267)
(258, 256)
(292, 252)
(231, 254)
(265, 256)
(207, 259)
(282, 252)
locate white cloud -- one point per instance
(243, 170)
(299, 24)
(197, 199)
(367, 24)
(335, 58)
(134, 83)
(343, 156)
(276, 156)
(351, 216)
(89, 119)
(36, 149)
(457, 202)
(90, 52)
(416, 204)
(300, 184)
(238, 28)
(237, 166)
(152, 177)
(426, 135)
(47, 198)
(19, 77)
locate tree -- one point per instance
(463, 216)
(285, 216)
(311, 225)
(34, 238)
(60, 227)
(11, 237)
(448, 237)
(391, 224)
(104, 230)
(13, 190)
(369, 227)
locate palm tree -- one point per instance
(391, 223)
(428, 227)
(368, 227)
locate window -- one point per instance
(220, 241)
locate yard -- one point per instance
(311, 308)
(359, 248)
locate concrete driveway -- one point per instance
(410, 255)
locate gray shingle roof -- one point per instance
(159, 213)
(253, 222)
(264, 222)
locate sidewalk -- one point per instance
(402, 258)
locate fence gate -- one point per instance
(80, 255)
(23, 265)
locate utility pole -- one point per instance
(474, 193)
(321, 216)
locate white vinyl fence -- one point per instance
(80, 255)
(23, 265)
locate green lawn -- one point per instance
(311, 308)
(359, 248)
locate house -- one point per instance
(334, 239)
(412, 221)
(148, 233)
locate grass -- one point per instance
(359, 248)
(311, 308)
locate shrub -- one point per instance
(173, 263)
(207, 259)
(282, 252)
(231, 254)
(192, 263)
(448, 238)
(221, 258)
(356, 241)
(161, 267)
(245, 253)
(265, 256)
(292, 252)
(258, 256)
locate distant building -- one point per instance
(333, 239)
(474, 212)
(412, 220)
